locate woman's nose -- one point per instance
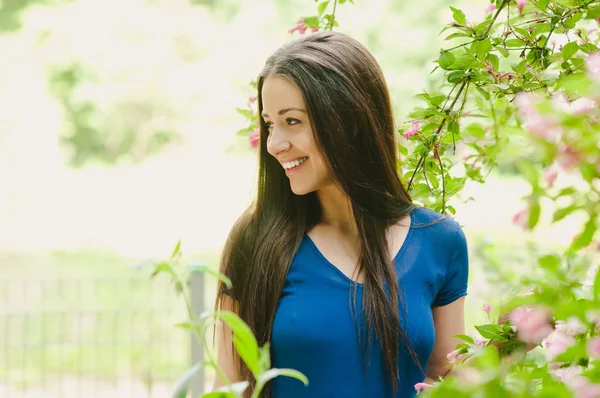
(277, 142)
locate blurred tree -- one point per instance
(132, 129)
(10, 12)
(223, 10)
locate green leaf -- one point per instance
(523, 32)
(312, 22)
(593, 13)
(322, 7)
(176, 250)
(588, 48)
(432, 178)
(463, 62)
(247, 113)
(220, 394)
(492, 332)
(569, 50)
(182, 387)
(273, 373)
(542, 4)
(446, 59)
(243, 340)
(597, 285)
(586, 236)
(403, 150)
(475, 130)
(540, 28)
(234, 390)
(565, 211)
(455, 35)
(550, 262)
(503, 51)
(485, 94)
(459, 16)
(534, 213)
(482, 48)
(456, 76)
(464, 337)
(493, 58)
(212, 272)
(530, 172)
(515, 43)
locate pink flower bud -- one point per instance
(550, 175)
(487, 308)
(521, 5)
(521, 218)
(490, 8)
(533, 324)
(254, 138)
(421, 386)
(481, 342)
(413, 129)
(455, 357)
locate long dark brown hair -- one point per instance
(350, 111)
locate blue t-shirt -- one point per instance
(314, 330)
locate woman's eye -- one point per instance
(268, 125)
(291, 121)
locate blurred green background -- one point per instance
(117, 138)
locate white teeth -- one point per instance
(298, 162)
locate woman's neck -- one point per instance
(336, 210)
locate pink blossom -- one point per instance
(582, 106)
(521, 218)
(487, 308)
(413, 129)
(593, 66)
(550, 175)
(470, 376)
(571, 327)
(481, 342)
(533, 324)
(568, 157)
(542, 126)
(520, 5)
(593, 347)
(593, 316)
(565, 374)
(556, 344)
(582, 388)
(490, 8)
(455, 357)
(254, 137)
(301, 27)
(421, 386)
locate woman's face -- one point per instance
(291, 140)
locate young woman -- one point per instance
(351, 283)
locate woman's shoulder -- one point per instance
(438, 227)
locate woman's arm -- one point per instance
(449, 320)
(225, 349)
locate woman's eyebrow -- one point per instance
(282, 111)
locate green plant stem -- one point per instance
(438, 130)
(489, 28)
(333, 15)
(200, 336)
(439, 158)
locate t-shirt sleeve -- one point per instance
(454, 285)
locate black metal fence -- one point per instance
(112, 337)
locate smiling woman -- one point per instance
(353, 285)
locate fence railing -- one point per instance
(91, 337)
